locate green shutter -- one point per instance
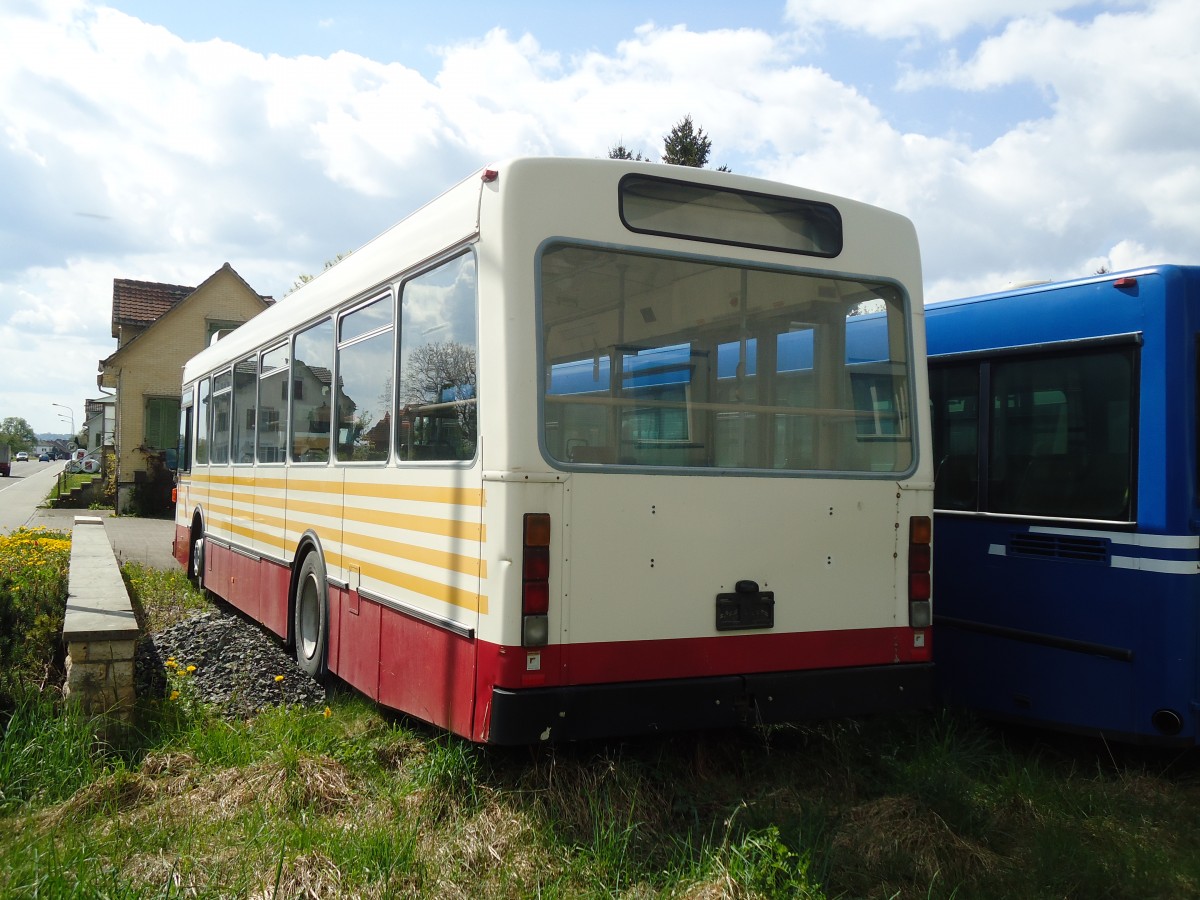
(162, 423)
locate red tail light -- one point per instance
(920, 557)
(535, 580)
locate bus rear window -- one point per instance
(662, 361)
(723, 216)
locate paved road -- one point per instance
(24, 490)
(147, 541)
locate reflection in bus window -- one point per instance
(272, 404)
(222, 391)
(245, 384)
(364, 396)
(437, 395)
(667, 362)
(203, 418)
(312, 374)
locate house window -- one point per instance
(217, 327)
(162, 423)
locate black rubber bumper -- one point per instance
(584, 712)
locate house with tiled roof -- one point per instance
(158, 327)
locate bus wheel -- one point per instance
(197, 572)
(312, 616)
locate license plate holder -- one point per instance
(745, 610)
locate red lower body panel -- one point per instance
(462, 684)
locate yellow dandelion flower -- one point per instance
(171, 664)
(279, 678)
(191, 669)
(174, 695)
(328, 712)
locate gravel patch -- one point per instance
(238, 664)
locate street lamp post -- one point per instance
(72, 414)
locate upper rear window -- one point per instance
(724, 216)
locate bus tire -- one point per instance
(311, 626)
(197, 562)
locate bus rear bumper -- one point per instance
(583, 712)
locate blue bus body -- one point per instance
(1067, 524)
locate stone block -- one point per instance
(120, 673)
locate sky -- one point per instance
(1026, 139)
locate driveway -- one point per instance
(133, 539)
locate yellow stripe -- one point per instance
(222, 516)
(451, 528)
(459, 597)
(453, 496)
(454, 562)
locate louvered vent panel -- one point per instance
(1059, 546)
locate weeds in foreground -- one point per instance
(348, 802)
(353, 803)
(162, 597)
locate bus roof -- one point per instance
(1038, 287)
(1112, 303)
(453, 218)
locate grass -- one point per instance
(358, 803)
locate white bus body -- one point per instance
(582, 448)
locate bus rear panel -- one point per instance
(1068, 556)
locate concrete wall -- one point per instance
(100, 629)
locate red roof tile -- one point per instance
(142, 302)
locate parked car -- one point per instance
(22, 456)
(45, 457)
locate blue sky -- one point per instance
(1026, 139)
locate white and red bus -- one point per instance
(584, 448)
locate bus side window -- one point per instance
(221, 409)
(312, 374)
(437, 417)
(954, 396)
(364, 392)
(272, 404)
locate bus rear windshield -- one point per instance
(668, 362)
(720, 215)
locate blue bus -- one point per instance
(1067, 503)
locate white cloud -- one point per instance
(944, 19)
(126, 151)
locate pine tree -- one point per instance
(620, 152)
(686, 145)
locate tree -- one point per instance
(304, 279)
(686, 145)
(17, 433)
(442, 375)
(435, 369)
(620, 152)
